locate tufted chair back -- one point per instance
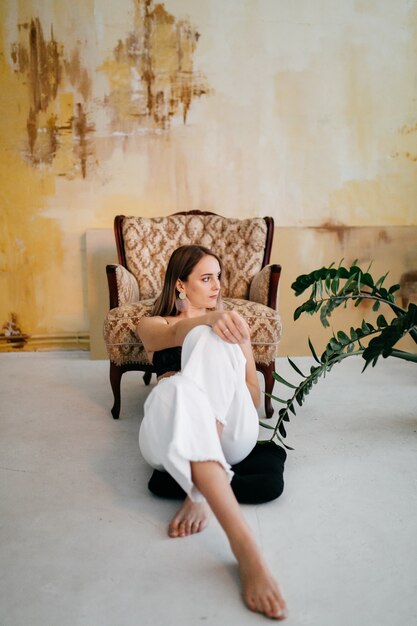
(149, 242)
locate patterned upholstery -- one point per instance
(149, 242)
(127, 286)
(249, 286)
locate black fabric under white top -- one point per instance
(167, 360)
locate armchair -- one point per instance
(249, 284)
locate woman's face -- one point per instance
(202, 286)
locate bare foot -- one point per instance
(191, 518)
(260, 590)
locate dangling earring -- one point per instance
(181, 303)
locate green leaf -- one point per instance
(268, 426)
(381, 280)
(309, 306)
(334, 344)
(313, 352)
(381, 321)
(342, 338)
(276, 398)
(291, 408)
(282, 442)
(355, 269)
(350, 285)
(327, 284)
(297, 369)
(299, 397)
(282, 430)
(376, 305)
(369, 266)
(323, 317)
(335, 285)
(298, 312)
(367, 280)
(394, 288)
(366, 329)
(282, 380)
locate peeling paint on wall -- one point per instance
(82, 129)
(41, 64)
(151, 74)
(78, 75)
(151, 78)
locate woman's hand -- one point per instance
(230, 326)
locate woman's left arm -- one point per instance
(251, 377)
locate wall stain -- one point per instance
(337, 228)
(408, 130)
(408, 292)
(407, 155)
(81, 131)
(78, 75)
(383, 236)
(151, 74)
(43, 67)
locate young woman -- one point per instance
(201, 417)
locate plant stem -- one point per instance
(365, 295)
(407, 356)
(368, 296)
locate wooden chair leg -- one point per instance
(269, 385)
(116, 373)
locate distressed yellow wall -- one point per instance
(303, 110)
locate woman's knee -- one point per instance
(193, 335)
(205, 336)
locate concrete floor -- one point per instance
(84, 543)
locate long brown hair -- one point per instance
(182, 262)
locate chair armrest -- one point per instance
(123, 286)
(264, 286)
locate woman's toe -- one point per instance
(195, 527)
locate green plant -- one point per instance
(332, 287)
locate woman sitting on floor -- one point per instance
(200, 425)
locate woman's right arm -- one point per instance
(156, 334)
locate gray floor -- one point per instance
(84, 543)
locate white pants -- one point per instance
(179, 424)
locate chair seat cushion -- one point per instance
(124, 346)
